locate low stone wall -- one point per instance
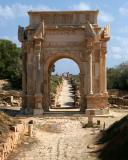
(118, 101)
(54, 101)
(10, 99)
(12, 139)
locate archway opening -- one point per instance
(64, 86)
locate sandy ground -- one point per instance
(66, 97)
(62, 138)
(56, 139)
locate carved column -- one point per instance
(38, 95)
(83, 91)
(101, 71)
(38, 87)
(24, 75)
(37, 52)
(105, 73)
(90, 72)
(30, 78)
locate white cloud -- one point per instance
(105, 17)
(120, 49)
(123, 29)
(122, 41)
(18, 10)
(81, 6)
(123, 11)
(116, 49)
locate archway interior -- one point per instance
(64, 85)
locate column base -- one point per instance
(30, 111)
(97, 104)
(38, 111)
(26, 111)
(96, 112)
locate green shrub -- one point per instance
(118, 77)
(10, 63)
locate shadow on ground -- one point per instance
(10, 112)
(115, 141)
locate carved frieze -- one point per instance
(65, 35)
(63, 44)
(63, 31)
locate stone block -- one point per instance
(38, 111)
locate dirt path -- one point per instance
(66, 97)
(56, 139)
(61, 138)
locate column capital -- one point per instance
(97, 45)
(104, 47)
(29, 43)
(89, 50)
(89, 42)
(104, 50)
(38, 40)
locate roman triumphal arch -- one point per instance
(52, 35)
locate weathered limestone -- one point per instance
(12, 140)
(10, 99)
(52, 35)
(119, 101)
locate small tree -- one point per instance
(10, 62)
(118, 77)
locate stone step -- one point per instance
(64, 113)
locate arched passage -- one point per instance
(64, 84)
(49, 63)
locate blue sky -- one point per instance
(113, 12)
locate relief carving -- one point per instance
(61, 31)
(63, 44)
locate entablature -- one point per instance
(62, 17)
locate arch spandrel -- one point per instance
(51, 59)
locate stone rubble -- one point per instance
(10, 99)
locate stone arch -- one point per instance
(50, 60)
(51, 36)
